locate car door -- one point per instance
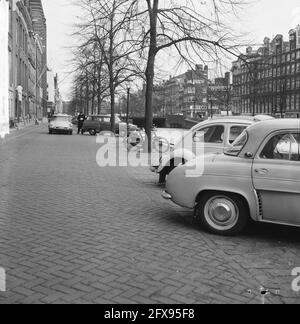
(276, 178)
(104, 123)
(212, 137)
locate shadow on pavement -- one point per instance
(257, 231)
(284, 234)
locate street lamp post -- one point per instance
(36, 80)
(128, 106)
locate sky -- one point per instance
(258, 19)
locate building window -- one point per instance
(292, 102)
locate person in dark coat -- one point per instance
(81, 118)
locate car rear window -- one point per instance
(285, 146)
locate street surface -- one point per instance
(72, 232)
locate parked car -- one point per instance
(100, 123)
(60, 123)
(257, 178)
(74, 120)
(212, 135)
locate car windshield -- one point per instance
(60, 118)
(237, 145)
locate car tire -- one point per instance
(223, 214)
(92, 132)
(50, 132)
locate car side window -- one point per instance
(235, 132)
(212, 134)
(282, 147)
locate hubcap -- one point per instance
(221, 213)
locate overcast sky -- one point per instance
(260, 18)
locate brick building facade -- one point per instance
(185, 94)
(267, 80)
(27, 91)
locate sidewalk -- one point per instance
(26, 124)
(21, 128)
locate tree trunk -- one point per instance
(111, 69)
(87, 95)
(153, 15)
(94, 93)
(112, 105)
(99, 101)
(149, 100)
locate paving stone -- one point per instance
(72, 232)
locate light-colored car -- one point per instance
(211, 136)
(61, 123)
(257, 178)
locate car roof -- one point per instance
(247, 120)
(61, 115)
(224, 121)
(268, 126)
(259, 131)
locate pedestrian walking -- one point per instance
(81, 118)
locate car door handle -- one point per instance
(261, 171)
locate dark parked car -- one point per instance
(101, 123)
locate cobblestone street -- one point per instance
(72, 232)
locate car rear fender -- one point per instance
(178, 156)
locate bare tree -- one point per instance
(106, 24)
(132, 34)
(90, 81)
(194, 30)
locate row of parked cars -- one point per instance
(94, 124)
(249, 170)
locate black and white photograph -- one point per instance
(149, 154)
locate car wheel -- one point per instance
(222, 213)
(92, 132)
(50, 132)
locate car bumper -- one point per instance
(61, 129)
